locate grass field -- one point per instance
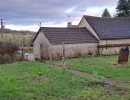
(103, 65)
(35, 81)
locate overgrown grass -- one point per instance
(18, 38)
(103, 65)
(34, 81)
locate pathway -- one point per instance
(106, 80)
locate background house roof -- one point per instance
(110, 28)
(68, 35)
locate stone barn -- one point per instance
(112, 33)
(48, 41)
(93, 35)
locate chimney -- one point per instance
(69, 24)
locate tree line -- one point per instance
(122, 9)
(5, 30)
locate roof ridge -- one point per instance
(64, 27)
(106, 17)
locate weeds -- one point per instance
(98, 78)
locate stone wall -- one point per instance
(74, 50)
(112, 46)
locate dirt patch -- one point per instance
(119, 65)
(39, 78)
(109, 89)
(87, 63)
(114, 64)
(47, 79)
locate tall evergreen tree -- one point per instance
(129, 4)
(123, 8)
(106, 13)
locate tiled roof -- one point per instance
(68, 35)
(110, 28)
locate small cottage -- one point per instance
(93, 35)
(78, 42)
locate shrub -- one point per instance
(7, 51)
(8, 47)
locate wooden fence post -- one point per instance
(51, 52)
(63, 56)
(22, 54)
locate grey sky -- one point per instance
(30, 12)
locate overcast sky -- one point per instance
(26, 14)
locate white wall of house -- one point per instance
(114, 41)
(75, 50)
(40, 40)
(109, 50)
(84, 23)
(112, 50)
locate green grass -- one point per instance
(34, 81)
(103, 65)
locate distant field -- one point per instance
(18, 38)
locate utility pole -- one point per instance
(2, 27)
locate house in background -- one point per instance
(93, 35)
(112, 33)
(78, 42)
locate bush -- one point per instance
(9, 45)
(7, 51)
